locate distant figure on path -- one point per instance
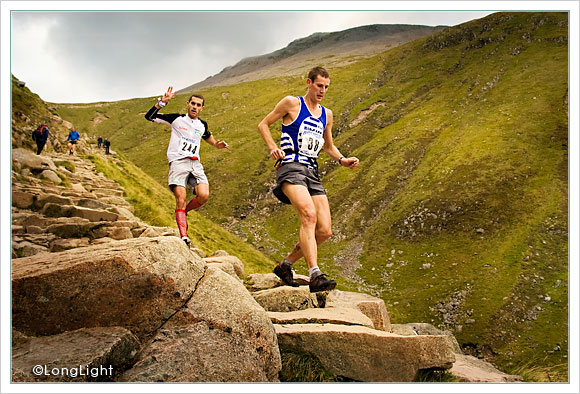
(40, 136)
(107, 145)
(306, 129)
(73, 139)
(185, 168)
(99, 142)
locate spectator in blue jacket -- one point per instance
(40, 136)
(73, 139)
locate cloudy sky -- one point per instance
(88, 56)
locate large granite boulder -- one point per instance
(137, 284)
(364, 354)
(221, 323)
(197, 353)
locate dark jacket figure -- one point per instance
(99, 142)
(40, 135)
(107, 144)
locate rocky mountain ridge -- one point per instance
(334, 49)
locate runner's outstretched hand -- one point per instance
(350, 162)
(168, 95)
(222, 145)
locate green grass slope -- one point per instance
(28, 112)
(458, 213)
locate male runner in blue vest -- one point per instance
(306, 129)
(185, 168)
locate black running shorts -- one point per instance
(298, 174)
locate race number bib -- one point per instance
(188, 146)
(311, 132)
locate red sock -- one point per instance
(193, 204)
(181, 220)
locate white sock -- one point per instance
(287, 261)
(314, 272)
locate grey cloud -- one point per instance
(117, 54)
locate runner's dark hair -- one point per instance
(198, 96)
(316, 71)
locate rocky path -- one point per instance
(98, 295)
(60, 202)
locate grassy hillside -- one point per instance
(458, 213)
(30, 111)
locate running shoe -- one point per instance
(321, 283)
(284, 271)
(186, 240)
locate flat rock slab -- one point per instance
(88, 354)
(471, 369)
(346, 316)
(137, 284)
(93, 215)
(373, 307)
(286, 299)
(366, 355)
(426, 329)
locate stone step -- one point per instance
(364, 354)
(372, 307)
(286, 299)
(115, 200)
(345, 316)
(90, 354)
(99, 192)
(93, 215)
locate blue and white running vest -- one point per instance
(303, 139)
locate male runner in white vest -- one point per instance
(306, 129)
(185, 168)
